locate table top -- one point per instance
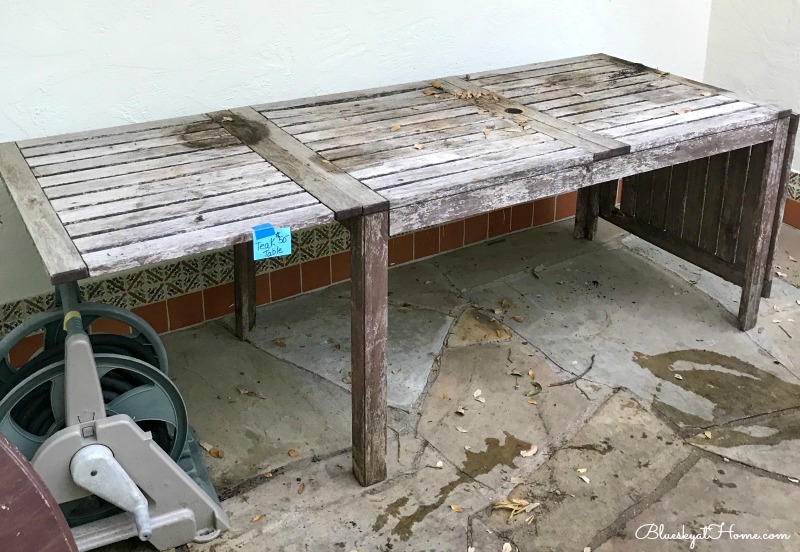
(109, 200)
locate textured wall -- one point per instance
(68, 66)
(754, 49)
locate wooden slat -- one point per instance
(627, 204)
(755, 173)
(480, 75)
(313, 101)
(60, 257)
(679, 152)
(589, 76)
(644, 195)
(659, 197)
(600, 147)
(244, 288)
(643, 111)
(176, 246)
(732, 204)
(339, 191)
(712, 205)
(676, 203)
(696, 193)
(497, 79)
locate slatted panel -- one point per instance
(706, 205)
(162, 190)
(415, 145)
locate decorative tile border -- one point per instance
(794, 186)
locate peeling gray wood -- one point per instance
(59, 254)
(336, 189)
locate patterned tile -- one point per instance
(159, 283)
(794, 186)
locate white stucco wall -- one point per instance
(754, 50)
(68, 66)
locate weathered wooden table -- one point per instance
(703, 176)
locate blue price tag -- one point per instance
(271, 242)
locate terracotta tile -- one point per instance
(155, 314)
(316, 273)
(262, 289)
(791, 215)
(185, 310)
(426, 242)
(451, 236)
(521, 216)
(500, 222)
(218, 300)
(476, 229)
(340, 266)
(565, 205)
(109, 326)
(544, 211)
(25, 349)
(285, 282)
(401, 249)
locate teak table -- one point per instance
(703, 176)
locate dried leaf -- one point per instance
(505, 303)
(480, 400)
(682, 110)
(280, 341)
(395, 128)
(206, 446)
(227, 119)
(429, 92)
(437, 84)
(216, 453)
(418, 146)
(461, 429)
(471, 549)
(792, 259)
(581, 470)
(487, 131)
(781, 274)
(531, 374)
(301, 488)
(268, 475)
(707, 434)
(536, 389)
(520, 120)
(793, 480)
(533, 402)
(259, 517)
(476, 394)
(678, 377)
(503, 333)
(584, 478)
(440, 464)
(293, 453)
(518, 318)
(506, 547)
(460, 411)
(706, 93)
(530, 452)
(248, 393)
(587, 549)
(456, 508)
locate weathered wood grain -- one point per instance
(712, 205)
(763, 223)
(336, 189)
(732, 203)
(59, 255)
(587, 209)
(755, 175)
(369, 331)
(600, 147)
(244, 288)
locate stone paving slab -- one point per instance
(711, 494)
(625, 452)
(298, 410)
(313, 331)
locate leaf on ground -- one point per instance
(460, 411)
(293, 453)
(707, 434)
(531, 374)
(440, 464)
(301, 488)
(584, 478)
(533, 402)
(461, 429)
(417, 146)
(780, 274)
(206, 446)
(268, 475)
(216, 452)
(503, 333)
(792, 259)
(347, 379)
(476, 394)
(456, 508)
(248, 393)
(258, 517)
(505, 303)
(506, 547)
(538, 269)
(280, 341)
(793, 480)
(530, 452)
(395, 128)
(678, 377)
(536, 389)
(471, 549)
(581, 470)
(518, 318)
(480, 400)
(514, 506)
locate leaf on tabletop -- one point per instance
(293, 453)
(258, 517)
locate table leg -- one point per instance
(759, 246)
(244, 288)
(369, 323)
(787, 166)
(592, 202)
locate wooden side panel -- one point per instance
(703, 210)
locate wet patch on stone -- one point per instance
(736, 388)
